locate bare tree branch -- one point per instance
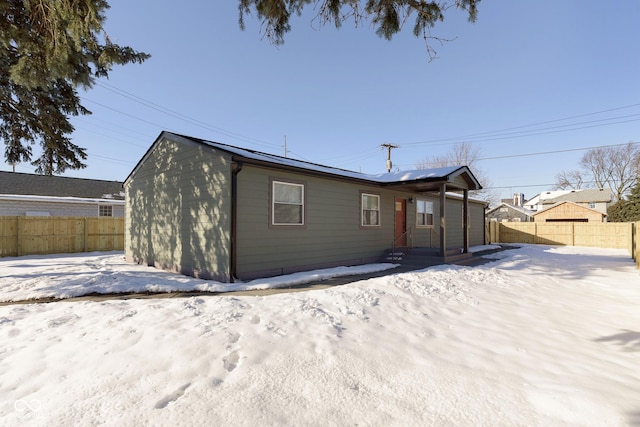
(613, 167)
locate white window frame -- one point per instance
(104, 209)
(426, 203)
(274, 202)
(362, 210)
(591, 205)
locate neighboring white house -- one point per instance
(536, 203)
(592, 198)
(23, 194)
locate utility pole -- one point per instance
(285, 145)
(389, 147)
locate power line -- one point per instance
(499, 134)
(112, 160)
(551, 121)
(479, 137)
(482, 136)
(549, 152)
(553, 152)
(183, 117)
(110, 137)
(123, 113)
(531, 185)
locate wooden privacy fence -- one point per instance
(620, 235)
(30, 235)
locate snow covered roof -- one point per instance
(579, 196)
(562, 202)
(26, 184)
(583, 196)
(540, 198)
(416, 177)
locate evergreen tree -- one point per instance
(614, 212)
(388, 16)
(49, 48)
(627, 210)
(631, 210)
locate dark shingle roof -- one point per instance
(419, 180)
(43, 185)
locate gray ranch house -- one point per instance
(25, 194)
(215, 211)
(506, 212)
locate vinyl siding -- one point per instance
(455, 230)
(178, 204)
(510, 215)
(454, 223)
(477, 224)
(20, 208)
(459, 181)
(332, 234)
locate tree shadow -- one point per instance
(179, 211)
(575, 266)
(633, 418)
(627, 339)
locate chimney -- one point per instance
(518, 199)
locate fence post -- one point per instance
(573, 234)
(19, 238)
(632, 243)
(86, 235)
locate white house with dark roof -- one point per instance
(23, 194)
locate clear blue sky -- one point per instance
(527, 77)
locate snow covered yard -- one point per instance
(542, 336)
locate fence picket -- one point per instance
(50, 235)
(619, 235)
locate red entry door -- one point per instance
(401, 222)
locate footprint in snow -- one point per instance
(234, 337)
(162, 403)
(54, 323)
(231, 361)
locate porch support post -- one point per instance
(443, 216)
(465, 221)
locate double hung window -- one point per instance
(370, 210)
(287, 203)
(424, 213)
